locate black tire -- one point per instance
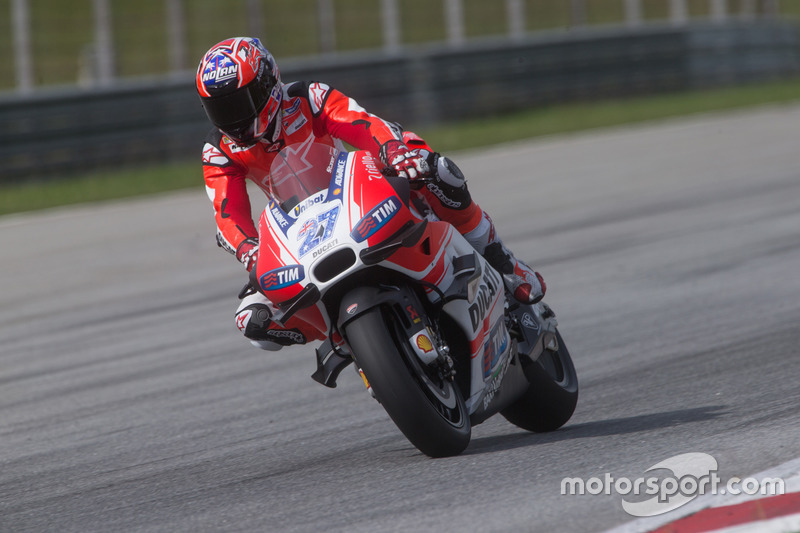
(552, 395)
(430, 412)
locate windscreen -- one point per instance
(300, 171)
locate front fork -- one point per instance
(417, 327)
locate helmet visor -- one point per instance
(232, 111)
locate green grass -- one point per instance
(98, 186)
(557, 119)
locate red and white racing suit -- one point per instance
(310, 109)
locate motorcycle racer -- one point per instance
(255, 114)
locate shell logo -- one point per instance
(364, 379)
(424, 344)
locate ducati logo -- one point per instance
(291, 109)
(479, 310)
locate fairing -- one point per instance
(331, 213)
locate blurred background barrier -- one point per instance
(108, 83)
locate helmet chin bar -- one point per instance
(251, 137)
(271, 133)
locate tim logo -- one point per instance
(375, 219)
(281, 277)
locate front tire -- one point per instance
(428, 410)
(552, 394)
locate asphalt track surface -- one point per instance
(129, 401)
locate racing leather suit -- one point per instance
(314, 109)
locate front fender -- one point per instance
(361, 299)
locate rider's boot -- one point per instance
(526, 285)
(448, 195)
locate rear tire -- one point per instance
(552, 395)
(429, 411)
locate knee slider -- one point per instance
(254, 320)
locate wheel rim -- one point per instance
(441, 394)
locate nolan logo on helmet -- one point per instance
(220, 69)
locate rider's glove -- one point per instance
(407, 163)
(247, 252)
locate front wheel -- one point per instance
(427, 409)
(552, 394)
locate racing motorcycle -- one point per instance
(423, 317)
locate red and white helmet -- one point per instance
(240, 88)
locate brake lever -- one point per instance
(415, 184)
(420, 182)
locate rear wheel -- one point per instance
(552, 394)
(427, 409)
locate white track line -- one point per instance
(782, 524)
